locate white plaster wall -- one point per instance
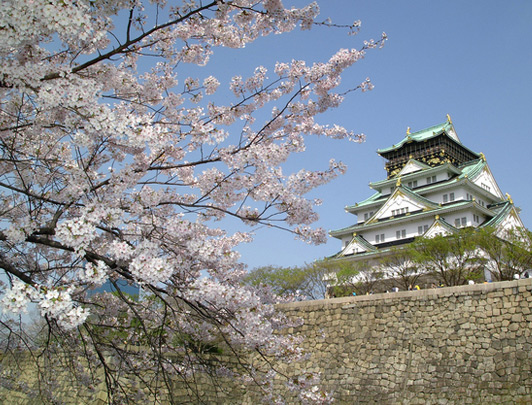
(398, 204)
(487, 179)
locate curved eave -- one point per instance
(387, 182)
(405, 191)
(456, 206)
(419, 136)
(368, 202)
(424, 135)
(359, 240)
(472, 169)
(446, 225)
(502, 213)
(418, 197)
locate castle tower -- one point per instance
(434, 185)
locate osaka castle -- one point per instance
(434, 185)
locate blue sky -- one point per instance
(470, 59)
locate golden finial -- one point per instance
(482, 157)
(408, 131)
(354, 234)
(398, 183)
(437, 217)
(509, 198)
(449, 120)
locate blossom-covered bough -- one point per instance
(114, 167)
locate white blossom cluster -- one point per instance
(16, 299)
(58, 305)
(121, 167)
(55, 303)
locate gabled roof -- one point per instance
(368, 201)
(424, 134)
(502, 210)
(357, 242)
(404, 193)
(479, 172)
(445, 128)
(404, 178)
(457, 205)
(439, 223)
(472, 168)
(412, 166)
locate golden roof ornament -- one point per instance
(354, 234)
(509, 198)
(482, 157)
(449, 120)
(437, 217)
(398, 183)
(408, 131)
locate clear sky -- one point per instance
(471, 59)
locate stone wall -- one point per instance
(469, 344)
(459, 345)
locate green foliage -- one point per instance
(400, 268)
(347, 276)
(452, 259)
(508, 256)
(282, 280)
(313, 280)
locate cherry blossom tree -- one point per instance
(115, 167)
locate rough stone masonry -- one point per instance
(461, 345)
(455, 345)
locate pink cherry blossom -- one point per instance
(119, 167)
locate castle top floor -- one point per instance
(433, 146)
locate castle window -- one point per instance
(460, 222)
(399, 211)
(412, 184)
(448, 197)
(400, 234)
(431, 179)
(368, 215)
(422, 229)
(379, 238)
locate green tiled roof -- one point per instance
(472, 169)
(365, 243)
(419, 136)
(359, 227)
(447, 225)
(417, 197)
(375, 197)
(502, 210)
